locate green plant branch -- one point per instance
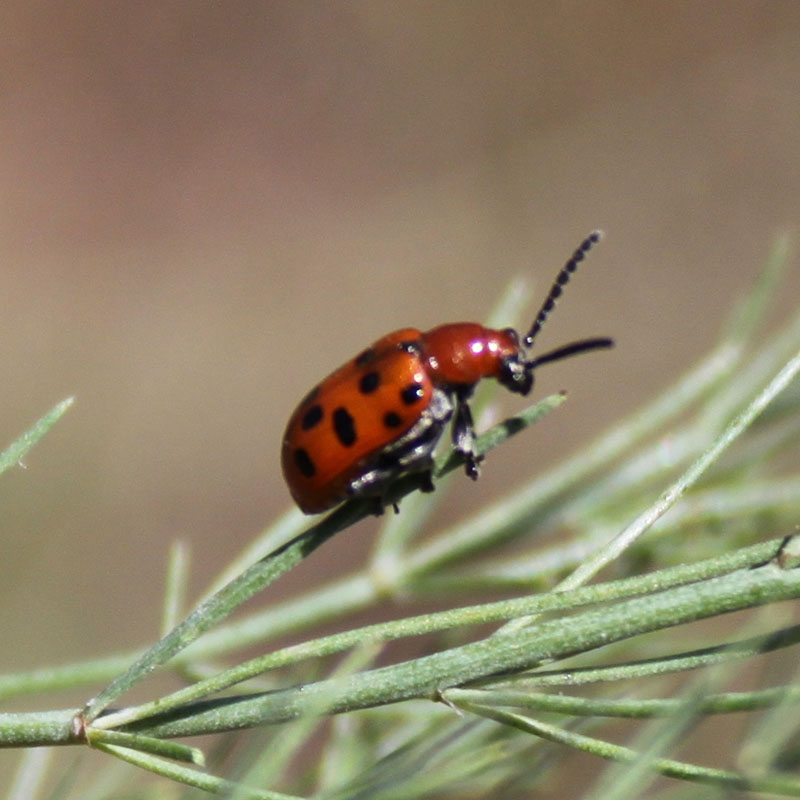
(449, 620)
(189, 776)
(57, 727)
(37, 728)
(748, 314)
(145, 744)
(650, 667)
(278, 619)
(724, 779)
(428, 676)
(225, 601)
(722, 703)
(68, 675)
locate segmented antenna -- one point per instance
(598, 343)
(561, 280)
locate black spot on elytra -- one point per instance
(304, 463)
(344, 426)
(367, 357)
(412, 393)
(392, 420)
(369, 382)
(312, 417)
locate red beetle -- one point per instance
(380, 415)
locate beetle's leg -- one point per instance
(378, 506)
(375, 484)
(464, 435)
(411, 454)
(426, 481)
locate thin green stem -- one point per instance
(723, 703)
(177, 581)
(37, 728)
(650, 667)
(31, 774)
(778, 784)
(16, 451)
(146, 744)
(189, 776)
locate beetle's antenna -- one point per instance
(572, 349)
(557, 288)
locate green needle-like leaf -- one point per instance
(15, 452)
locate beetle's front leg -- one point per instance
(464, 435)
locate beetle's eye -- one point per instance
(512, 334)
(411, 346)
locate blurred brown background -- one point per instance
(207, 206)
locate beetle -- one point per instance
(380, 415)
